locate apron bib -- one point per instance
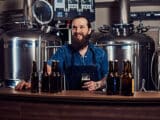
(73, 74)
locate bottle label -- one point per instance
(133, 86)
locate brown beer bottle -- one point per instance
(126, 80)
(34, 79)
(59, 81)
(45, 78)
(53, 77)
(110, 79)
(116, 80)
(59, 77)
(131, 77)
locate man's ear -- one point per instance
(89, 31)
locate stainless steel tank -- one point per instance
(125, 43)
(156, 62)
(156, 69)
(20, 48)
(138, 48)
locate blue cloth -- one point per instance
(64, 55)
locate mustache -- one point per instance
(75, 34)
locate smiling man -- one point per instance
(80, 57)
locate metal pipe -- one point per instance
(27, 4)
(124, 11)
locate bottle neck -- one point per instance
(125, 67)
(55, 66)
(110, 66)
(116, 67)
(129, 67)
(34, 67)
(45, 68)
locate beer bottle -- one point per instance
(116, 80)
(59, 81)
(126, 80)
(131, 78)
(45, 78)
(34, 79)
(110, 79)
(58, 77)
(53, 77)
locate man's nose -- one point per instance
(77, 30)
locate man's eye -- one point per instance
(74, 27)
(82, 27)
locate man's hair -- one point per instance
(88, 22)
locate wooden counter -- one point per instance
(78, 105)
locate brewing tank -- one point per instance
(138, 48)
(19, 48)
(128, 43)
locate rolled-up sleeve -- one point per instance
(59, 55)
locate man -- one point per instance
(80, 57)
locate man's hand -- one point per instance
(23, 85)
(91, 85)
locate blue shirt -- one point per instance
(65, 55)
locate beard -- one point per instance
(79, 44)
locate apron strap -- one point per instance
(93, 56)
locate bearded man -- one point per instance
(80, 57)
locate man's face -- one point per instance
(80, 29)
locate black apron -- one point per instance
(73, 73)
